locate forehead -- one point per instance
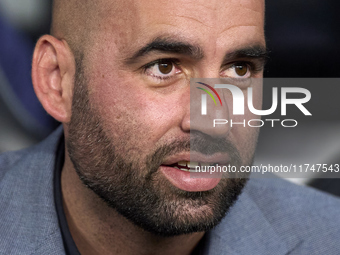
(126, 25)
(208, 13)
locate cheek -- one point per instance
(133, 114)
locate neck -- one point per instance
(98, 229)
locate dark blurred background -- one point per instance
(22, 119)
(302, 36)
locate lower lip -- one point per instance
(184, 180)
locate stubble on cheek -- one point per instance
(121, 118)
(127, 132)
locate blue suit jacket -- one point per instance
(271, 216)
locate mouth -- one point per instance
(190, 166)
(183, 175)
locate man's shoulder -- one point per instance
(27, 214)
(274, 216)
(8, 160)
(304, 219)
(286, 198)
(19, 163)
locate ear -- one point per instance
(53, 70)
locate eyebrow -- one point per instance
(165, 45)
(253, 52)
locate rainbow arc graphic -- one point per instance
(209, 93)
(204, 97)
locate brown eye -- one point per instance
(241, 69)
(165, 66)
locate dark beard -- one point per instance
(134, 187)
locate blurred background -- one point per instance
(303, 38)
(22, 119)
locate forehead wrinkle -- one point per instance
(237, 26)
(192, 18)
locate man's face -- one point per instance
(131, 108)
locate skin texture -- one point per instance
(85, 76)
